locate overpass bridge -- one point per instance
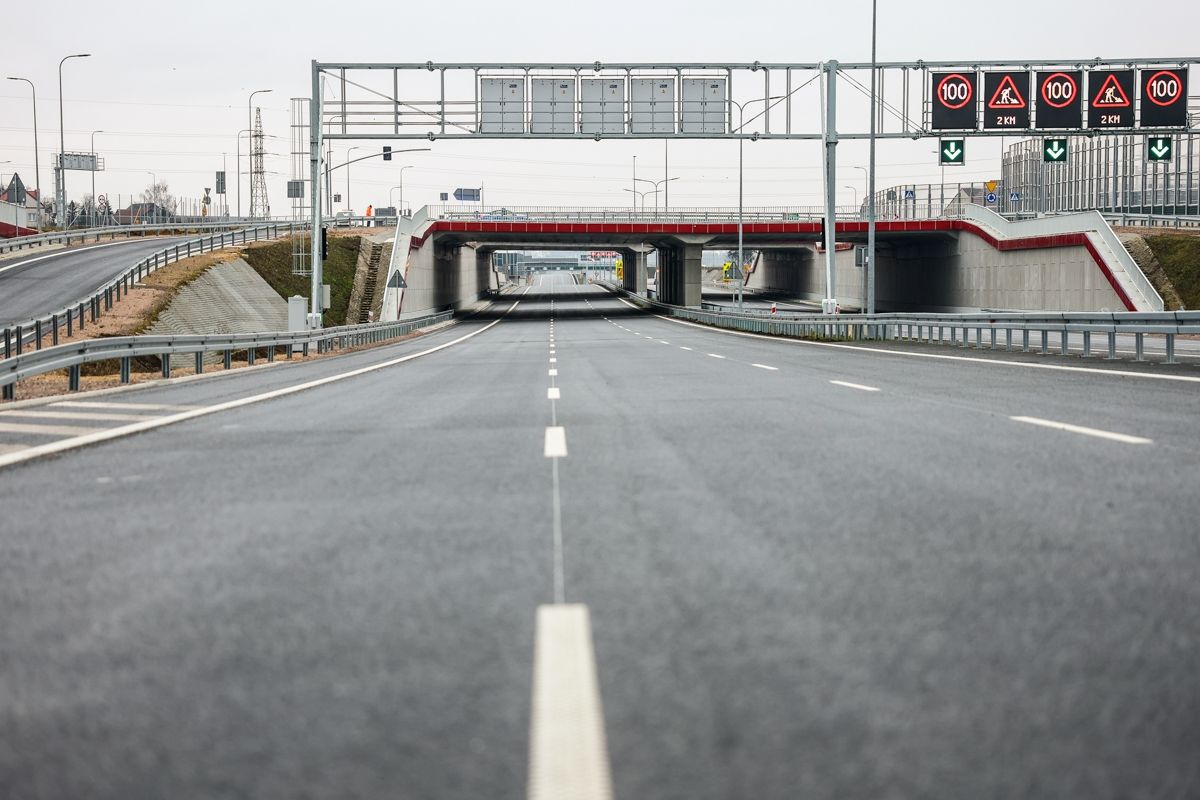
(955, 259)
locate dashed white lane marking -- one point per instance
(552, 373)
(553, 393)
(681, 347)
(858, 386)
(94, 436)
(1124, 438)
(764, 366)
(78, 415)
(1000, 362)
(556, 442)
(663, 341)
(121, 406)
(714, 355)
(553, 360)
(45, 430)
(568, 750)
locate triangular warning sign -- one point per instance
(1007, 95)
(1111, 95)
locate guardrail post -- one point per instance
(228, 359)
(70, 318)
(1062, 349)
(1138, 346)
(126, 363)
(37, 331)
(54, 329)
(271, 354)
(1171, 349)
(73, 378)
(1087, 344)
(304, 350)
(166, 365)
(8, 343)
(1025, 340)
(250, 356)
(1045, 341)
(1112, 346)
(9, 391)
(200, 363)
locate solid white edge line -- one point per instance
(858, 386)
(1124, 438)
(125, 430)
(553, 393)
(66, 251)
(555, 445)
(939, 356)
(568, 749)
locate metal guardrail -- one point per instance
(1150, 220)
(77, 313)
(955, 329)
(626, 214)
(73, 356)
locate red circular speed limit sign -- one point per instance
(1059, 90)
(1164, 88)
(955, 91)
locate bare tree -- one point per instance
(160, 194)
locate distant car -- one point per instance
(503, 214)
(342, 219)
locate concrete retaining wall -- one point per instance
(227, 298)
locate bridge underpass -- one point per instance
(973, 261)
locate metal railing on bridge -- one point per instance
(78, 313)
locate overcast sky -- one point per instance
(168, 83)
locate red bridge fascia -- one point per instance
(750, 229)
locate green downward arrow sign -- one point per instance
(953, 151)
(1054, 150)
(1160, 149)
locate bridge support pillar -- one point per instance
(679, 274)
(633, 267)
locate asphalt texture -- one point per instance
(42, 283)
(797, 588)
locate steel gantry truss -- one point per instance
(598, 101)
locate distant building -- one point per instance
(19, 214)
(144, 214)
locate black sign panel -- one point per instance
(1060, 99)
(1005, 100)
(954, 102)
(1164, 97)
(1110, 99)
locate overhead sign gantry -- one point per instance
(739, 101)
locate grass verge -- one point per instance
(1180, 259)
(273, 261)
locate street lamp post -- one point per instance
(250, 127)
(37, 167)
(855, 195)
(94, 206)
(348, 162)
(62, 173)
(870, 298)
(406, 166)
(636, 195)
(741, 107)
(239, 168)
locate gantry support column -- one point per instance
(680, 274)
(633, 266)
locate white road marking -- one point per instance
(96, 437)
(858, 386)
(553, 393)
(663, 341)
(66, 252)
(11, 448)
(553, 373)
(938, 356)
(80, 415)
(714, 355)
(1124, 438)
(764, 366)
(553, 360)
(121, 406)
(681, 347)
(556, 442)
(44, 430)
(568, 750)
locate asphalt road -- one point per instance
(42, 283)
(811, 571)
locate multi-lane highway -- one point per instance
(810, 570)
(41, 283)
